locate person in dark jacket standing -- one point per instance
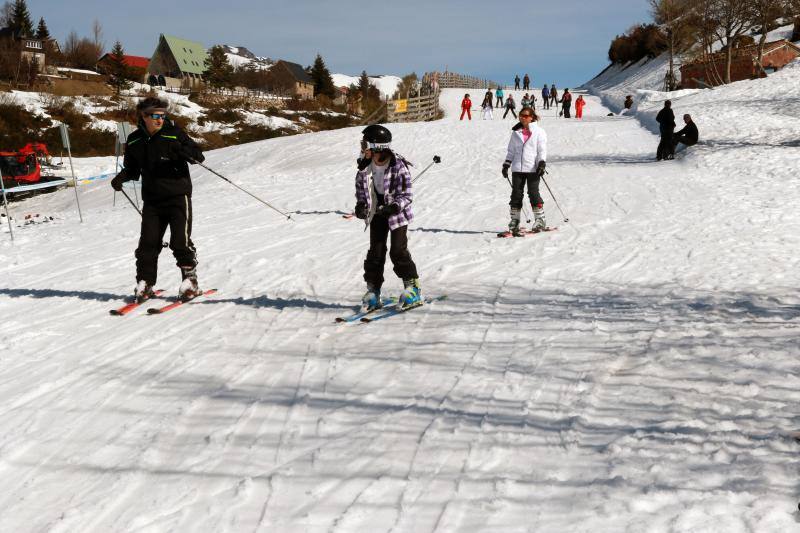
(545, 97)
(526, 83)
(159, 152)
(511, 105)
(516, 82)
(666, 125)
(566, 103)
(553, 95)
(688, 135)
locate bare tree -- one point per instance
(674, 18)
(97, 35)
(733, 18)
(6, 14)
(764, 14)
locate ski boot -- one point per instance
(371, 299)
(411, 296)
(513, 225)
(143, 291)
(539, 223)
(189, 288)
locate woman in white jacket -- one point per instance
(527, 152)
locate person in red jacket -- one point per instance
(579, 103)
(466, 107)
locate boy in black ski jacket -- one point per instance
(666, 125)
(159, 152)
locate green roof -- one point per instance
(191, 56)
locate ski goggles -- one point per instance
(157, 116)
(376, 147)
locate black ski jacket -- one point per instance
(161, 161)
(666, 120)
(691, 133)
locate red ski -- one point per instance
(177, 303)
(127, 308)
(525, 232)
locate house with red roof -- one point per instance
(136, 64)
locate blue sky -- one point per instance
(563, 42)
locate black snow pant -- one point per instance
(518, 181)
(546, 103)
(553, 100)
(499, 102)
(665, 147)
(565, 110)
(512, 112)
(404, 266)
(516, 86)
(175, 213)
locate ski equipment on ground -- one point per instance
(177, 303)
(127, 308)
(360, 314)
(394, 310)
(525, 232)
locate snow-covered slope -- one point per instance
(387, 85)
(633, 371)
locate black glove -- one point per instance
(506, 165)
(388, 210)
(363, 162)
(540, 169)
(118, 180)
(361, 210)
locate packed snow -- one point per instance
(635, 370)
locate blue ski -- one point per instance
(361, 314)
(394, 310)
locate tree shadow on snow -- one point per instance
(55, 293)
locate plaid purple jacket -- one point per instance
(396, 187)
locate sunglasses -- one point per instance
(526, 116)
(158, 116)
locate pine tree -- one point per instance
(42, 32)
(21, 19)
(218, 72)
(363, 85)
(120, 72)
(323, 83)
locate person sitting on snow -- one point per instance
(688, 135)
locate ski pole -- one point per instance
(524, 211)
(436, 159)
(163, 244)
(554, 198)
(243, 190)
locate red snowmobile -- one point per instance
(23, 167)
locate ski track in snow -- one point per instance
(635, 370)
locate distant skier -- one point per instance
(487, 107)
(466, 107)
(499, 95)
(553, 95)
(688, 135)
(566, 103)
(666, 125)
(383, 200)
(511, 105)
(579, 103)
(159, 152)
(526, 155)
(545, 97)
(526, 83)
(628, 102)
(516, 82)
(525, 102)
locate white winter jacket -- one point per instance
(525, 156)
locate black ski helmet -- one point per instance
(377, 137)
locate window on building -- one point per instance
(33, 44)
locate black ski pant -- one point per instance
(546, 104)
(404, 266)
(553, 100)
(565, 110)
(682, 139)
(499, 102)
(665, 147)
(512, 112)
(176, 213)
(516, 86)
(518, 181)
